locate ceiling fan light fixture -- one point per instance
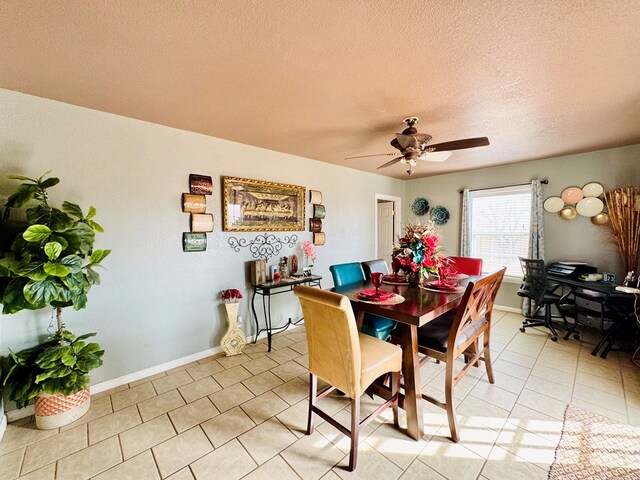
(436, 156)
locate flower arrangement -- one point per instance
(309, 250)
(231, 295)
(419, 252)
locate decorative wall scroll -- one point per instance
(194, 242)
(319, 238)
(202, 222)
(265, 245)
(315, 225)
(200, 184)
(254, 205)
(194, 203)
(315, 197)
(319, 211)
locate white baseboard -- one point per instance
(507, 309)
(17, 414)
(3, 425)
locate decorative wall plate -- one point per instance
(600, 219)
(572, 195)
(568, 213)
(439, 215)
(553, 204)
(420, 206)
(589, 206)
(593, 189)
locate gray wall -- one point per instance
(577, 240)
(156, 303)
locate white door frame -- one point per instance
(397, 207)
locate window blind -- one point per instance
(499, 227)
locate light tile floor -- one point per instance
(244, 417)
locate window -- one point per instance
(499, 223)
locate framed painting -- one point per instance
(258, 206)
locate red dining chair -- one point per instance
(467, 265)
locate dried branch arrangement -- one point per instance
(623, 205)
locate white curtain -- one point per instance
(465, 230)
(536, 234)
(536, 230)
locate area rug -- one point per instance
(593, 447)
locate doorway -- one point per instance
(387, 225)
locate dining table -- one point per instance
(420, 306)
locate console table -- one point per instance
(266, 290)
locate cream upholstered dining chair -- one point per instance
(345, 359)
(456, 333)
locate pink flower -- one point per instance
(309, 250)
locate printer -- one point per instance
(571, 270)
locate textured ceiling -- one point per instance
(331, 79)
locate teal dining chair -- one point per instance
(349, 273)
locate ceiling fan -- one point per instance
(414, 146)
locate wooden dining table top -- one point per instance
(419, 307)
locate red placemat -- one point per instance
(371, 295)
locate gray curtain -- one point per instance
(536, 234)
(465, 228)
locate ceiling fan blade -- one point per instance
(374, 155)
(390, 162)
(460, 144)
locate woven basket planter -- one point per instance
(54, 411)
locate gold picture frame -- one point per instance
(259, 206)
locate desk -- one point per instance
(420, 306)
(266, 290)
(617, 307)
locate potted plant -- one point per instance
(48, 261)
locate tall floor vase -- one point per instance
(234, 340)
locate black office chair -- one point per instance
(536, 288)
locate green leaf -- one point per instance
(21, 177)
(72, 209)
(49, 182)
(86, 236)
(8, 265)
(89, 348)
(93, 277)
(72, 262)
(97, 256)
(88, 363)
(41, 291)
(56, 219)
(95, 226)
(32, 270)
(76, 283)
(61, 240)
(69, 359)
(56, 269)
(52, 250)
(43, 175)
(85, 336)
(36, 233)
(92, 212)
(14, 300)
(80, 302)
(23, 195)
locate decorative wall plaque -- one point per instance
(200, 184)
(194, 203)
(194, 242)
(319, 238)
(202, 222)
(315, 225)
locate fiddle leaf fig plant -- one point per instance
(50, 260)
(47, 259)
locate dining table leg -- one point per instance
(411, 373)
